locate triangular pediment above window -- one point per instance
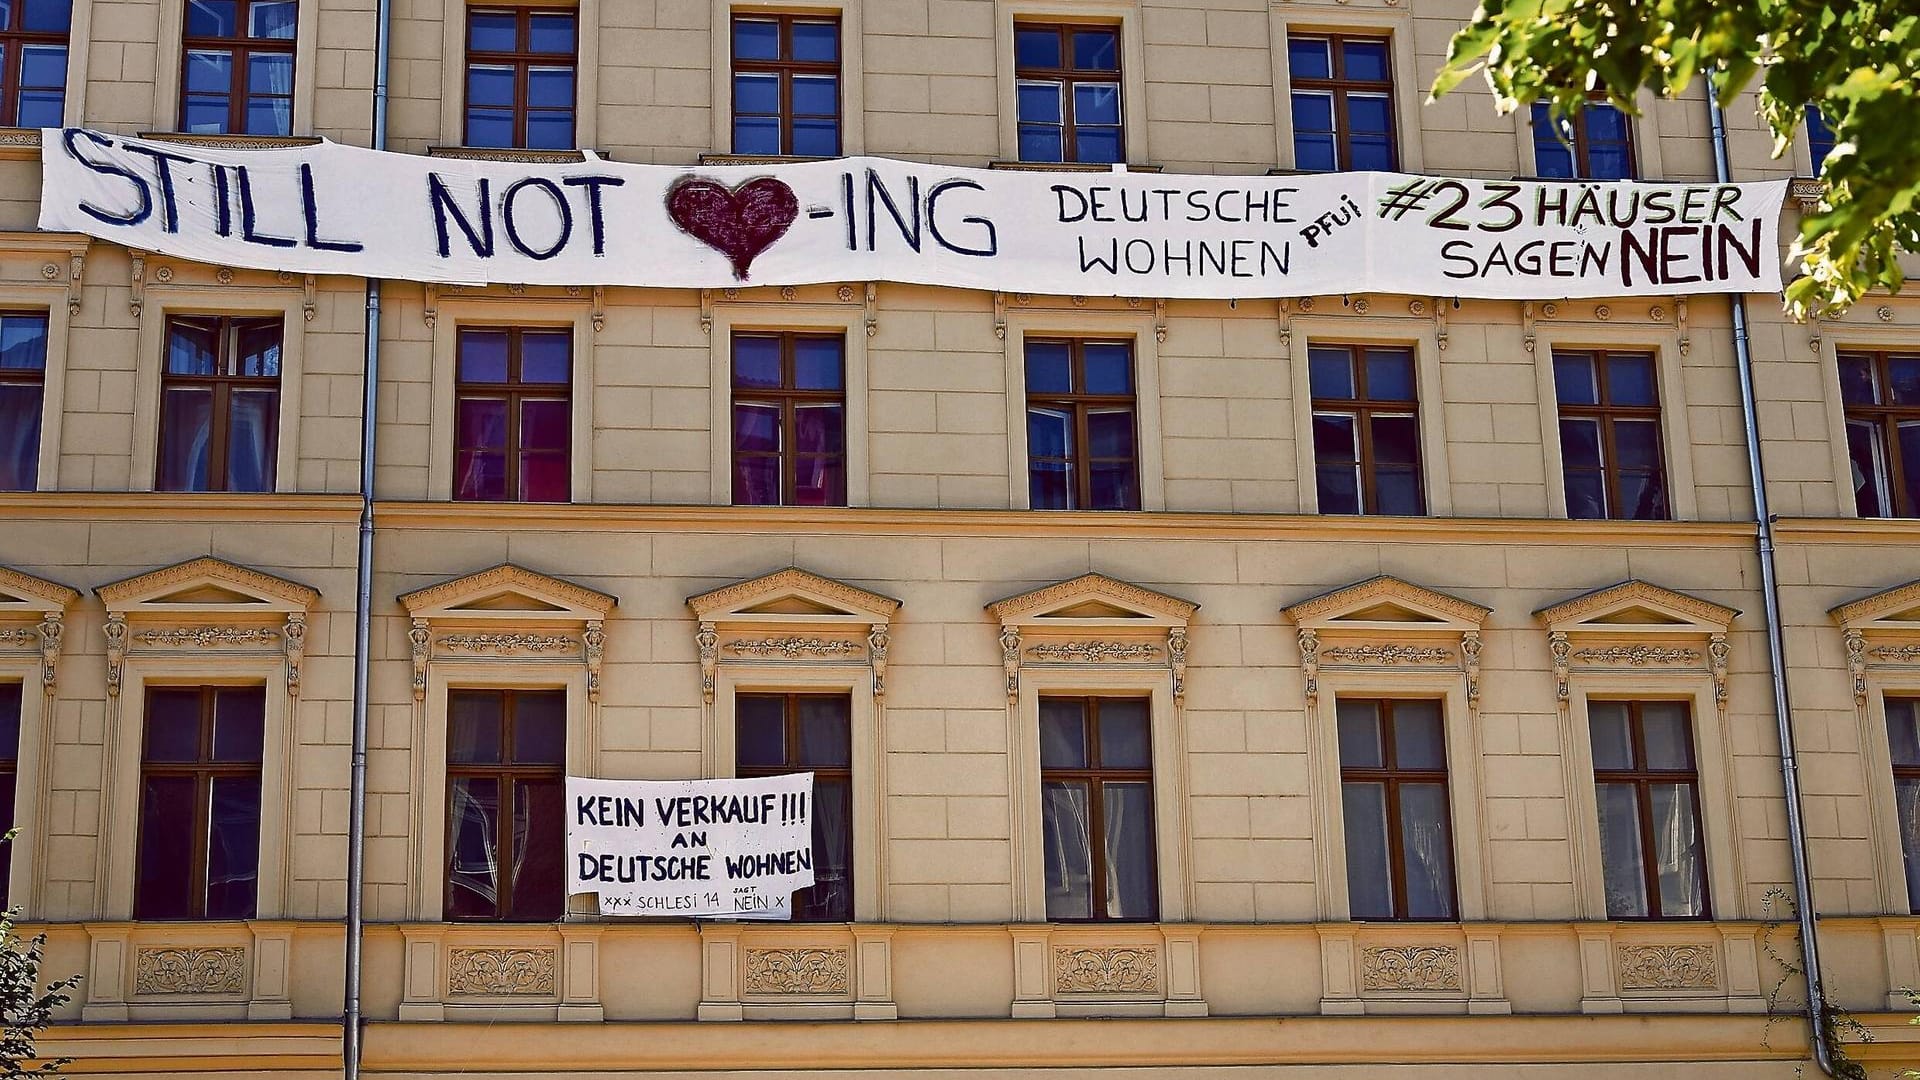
(1637, 607)
(206, 586)
(1386, 604)
(793, 596)
(1896, 609)
(1093, 600)
(508, 593)
(25, 595)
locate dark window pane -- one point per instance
(1312, 111)
(1112, 486)
(20, 408)
(1419, 736)
(1397, 491)
(233, 847)
(1643, 497)
(826, 732)
(1039, 102)
(1903, 730)
(491, 31)
(1365, 60)
(819, 481)
(549, 88)
(756, 428)
(10, 699)
(1063, 734)
(1110, 433)
(1906, 801)
(1630, 380)
(1096, 103)
(1310, 58)
(540, 727)
(489, 127)
(1335, 437)
(818, 363)
(173, 724)
(1610, 735)
(474, 726)
(239, 723)
(1390, 375)
(1339, 488)
(490, 84)
(205, 18)
(1909, 434)
(550, 32)
(1573, 379)
(756, 481)
(756, 361)
(1426, 851)
(1636, 444)
(1330, 372)
(1903, 379)
(480, 474)
(1359, 728)
(1676, 850)
(1580, 443)
(1096, 50)
(1586, 495)
(816, 95)
(1867, 454)
(1066, 829)
(252, 420)
(1049, 433)
(830, 899)
(544, 424)
(1820, 137)
(1369, 871)
(473, 855)
(48, 16)
(1313, 152)
(1626, 883)
(1049, 486)
(1048, 368)
(760, 725)
(756, 92)
(816, 138)
(539, 851)
(1128, 821)
(1124, 735)
(1368, 114)
(163, 869)
(1666, 735)
(1396, 440)
(816, 40)
(756, 135)
(756, 39)
(483, 356)
(1108, 367)
(1036, 48)
(1857, 384)
(545, 477)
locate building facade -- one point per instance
(1338, 681)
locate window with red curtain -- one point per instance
(220, 404)
(513, 416)
(789, 419)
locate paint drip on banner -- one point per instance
(328, 208)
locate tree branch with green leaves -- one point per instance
(1856, 62)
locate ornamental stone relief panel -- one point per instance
(798, 971)
(169, 971)
(502, 971)
(1668, 967)
(1106, 970)
(1410, 967)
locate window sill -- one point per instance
(1071, 166)
(762, 159)
(232, 142)
(507, 153)
(19, 144)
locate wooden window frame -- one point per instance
(14, 693)
(1391, 775)
(1363, 409)
(1887, 418)
(1080, 404)
(1096, 776)
(35, 377)
(15, 38)
(1901, 771)
(1340, 86)
(504, 773)
(1608, 414)
(204, 770)
(1066, 76)
(522, 59)
(1581, 147)
(242, 49)
(788, 397)
(785, 68)
(790, 736)
(222, 385)
(1642, 778)
(515, 392)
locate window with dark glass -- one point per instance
(10, 701)
(33, 62)
(1366, 429)
(1342, 103)
(786, 85)
(1595, 143)
(789, 419)
(506, 824)
(1903, 740)
(513, 416)
(1096, 799)
(23, 377)
(1081, 436)
(220, 404)
(1393, 793)
(1610, 446)
(1880, 395)
(1067, 82)
(199, 839)
(1649, 798)
(779, 734)
(237, 58)
(1820, 138)
(520, 77)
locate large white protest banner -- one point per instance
(691, 847)
(333, 209)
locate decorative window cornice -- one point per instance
(792, 616)
(1657, 609)
(508, 613)
(1058, 601)
(1423, 607)
(175, 588)
(1638, 626)
(1093, 621)
(1387, 623)
(1879, 630)
(209, 606)
(32, 613)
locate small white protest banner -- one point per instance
(691, 847)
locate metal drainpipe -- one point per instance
(350, 1021)
(1776, 642)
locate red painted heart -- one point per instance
(739, 223)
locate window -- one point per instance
(238, 56)
(33, 62)
(520, 86)
(786, 85)
(1880, 393)
(506, 824)
(1081, 434)
(1096, 797)
(789, 419)
(220, 404)
(1594, 144)
(23, 375)
(1366, 429)
(1342, 103)
(1068, 87)
(1610, 434)
(1819, 137)
(10, 703)
(1393, 790)
(788, 733)
(513, 420)
(1649, 796)
(1903, 739)
(199, 844)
